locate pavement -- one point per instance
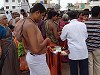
(65, 70)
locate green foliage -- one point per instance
(21, 51)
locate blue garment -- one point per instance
(2, 32)
(83, 67)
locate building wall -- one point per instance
(94, 3)
(82, 6)
(18, 4)
(94, 0)
(11, 6)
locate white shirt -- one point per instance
(9, 17)
(76, 34)
(21, 16)
(13, 22)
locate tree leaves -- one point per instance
(21, 51)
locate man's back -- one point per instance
(76, 34)
(78, 30)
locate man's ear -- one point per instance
(37, 12)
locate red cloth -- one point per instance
(23, 64)
(62, 23)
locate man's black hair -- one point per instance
(51, 14)
(87, 10)
(95, 11)
(10, 11)
(7, 12)
(73, 14)
(11, 27)
(85, 13)
(22, 10)
(79, 13)
(37, 7)
(58, 14)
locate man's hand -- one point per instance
(67, 51)
(48, 41)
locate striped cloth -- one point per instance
(93, 28)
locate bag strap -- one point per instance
(23, 24)
(32, 20)
(22, 28)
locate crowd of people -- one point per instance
(40, 28)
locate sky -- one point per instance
(63, 3)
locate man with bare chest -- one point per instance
(34, 42)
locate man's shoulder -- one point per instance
(67, 26)
(29, 28)
(29, 25)
(1, 26)
(76, 23)
(93, 22)
(49, 22)
(80, 22)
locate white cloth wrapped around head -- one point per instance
(65, 17)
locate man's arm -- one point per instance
(64, 33)
(32, 36)
(44, 43)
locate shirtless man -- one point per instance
(34, 42)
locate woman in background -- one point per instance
(10, 64)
